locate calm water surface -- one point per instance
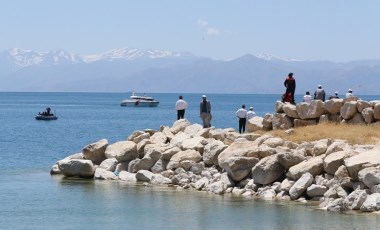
(32, 199)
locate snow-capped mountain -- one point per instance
(269, 57)
(20, 58)
(130, 54)
(24, 58)
(128, 69)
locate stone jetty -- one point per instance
(332, 172)
(349, 110)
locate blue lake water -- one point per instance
(32, 199)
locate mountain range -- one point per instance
(128, 69)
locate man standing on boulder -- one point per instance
(180, 106)
(242, 116)
(290, 84)
(319, 94)
(205, 112)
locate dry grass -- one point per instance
(354, 134)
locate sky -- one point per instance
(334, 30)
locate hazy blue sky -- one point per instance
(337, 30)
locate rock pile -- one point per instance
(339, 175)
(349, 110)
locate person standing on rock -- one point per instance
(319, 93)
(180, 106)
(290, 84)
(250, 113)
(205, 112)
(242, 116)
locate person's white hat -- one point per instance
(203, 95)
(349, 90)
(319, 86)
(250, 108)
(336, 92)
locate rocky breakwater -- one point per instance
(350, 110)
(338, 175)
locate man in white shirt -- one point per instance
(242, 115)
(349, 93)
(250, 113)
(180, 106)
(307, 97)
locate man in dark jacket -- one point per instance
(290, 84)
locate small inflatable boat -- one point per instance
(46, 117)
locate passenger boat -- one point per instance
(46, 115)
(139, 101)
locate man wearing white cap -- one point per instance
(319, 94)
(250, 113)
(349, 93)
(335, 96)
(205, 112)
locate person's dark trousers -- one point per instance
(292, 92)
(180, 114)
(242, 122)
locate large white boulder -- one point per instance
(141, 137)
(122, 151)
(95, 151)
(333, 161)
(362, 105)
(355, 199)
(371, 204)
(348, 110)
(104, 174)
(333, 106)
(254, 124)
(376, 111)
(316, 190)
(144, 175)
(109, 164)
(127, 176)
(211, 152)
(193, 129)
(76, 167)
(195, 143)
(267, 170)
(369, 176)
(368, 115)
(364, 159)
(289, 159)
(314, 166)
(179, 125)
(240, 148)
(281, 121)
(180, 157)
(239, 167)
(159, 138)
(267, 121)
(311, 110)
(159, 179)
(300, 186)
(291, 110)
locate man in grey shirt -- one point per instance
(319, 94)
(205, 112)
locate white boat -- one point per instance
(139, 101)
